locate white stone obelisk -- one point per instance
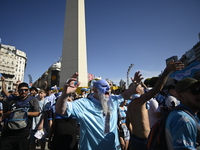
(74, 53)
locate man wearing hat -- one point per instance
(83, 93)
(97, 114)
(171, 100)
(14, 138)
(181, 128)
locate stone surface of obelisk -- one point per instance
(74, 53)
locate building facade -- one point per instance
(189, 57)
(192, 55)
(12, 65)
(50, 77)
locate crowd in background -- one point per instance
(62, 132)
(160, 103)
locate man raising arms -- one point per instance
(97, 114)
(137, 114)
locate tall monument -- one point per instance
(74, 54)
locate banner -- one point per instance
(189, 71)
(54, 78)
(90, 76)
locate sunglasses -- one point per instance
(21, 90)
(195, 91)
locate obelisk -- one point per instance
(74, 53)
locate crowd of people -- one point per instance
(101, 119)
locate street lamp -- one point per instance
(128, 73)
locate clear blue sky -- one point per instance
(144, 33)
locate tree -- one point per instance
(147, 82)
(150, 82)
(153, 81)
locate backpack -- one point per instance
(18, 119)
(157, 139)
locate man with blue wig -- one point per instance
(97, 115)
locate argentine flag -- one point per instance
(189, 71)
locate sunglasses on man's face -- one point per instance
(195, 91)
(21, 90)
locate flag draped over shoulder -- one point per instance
(189, 71)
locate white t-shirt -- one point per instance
(153, 108)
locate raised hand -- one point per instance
(2, 78)
(174, 66)
(70, 85)
(137, 77)
(18, 82)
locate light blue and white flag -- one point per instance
(189, 71)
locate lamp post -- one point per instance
(128, 73)
(30, 80)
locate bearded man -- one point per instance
(97, 115)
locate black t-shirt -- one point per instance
(22, 133)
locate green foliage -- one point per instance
(153, 81)
(147, 81)
(150, 82)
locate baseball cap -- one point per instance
(84, 89)
(185, 84)
(23, 84)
